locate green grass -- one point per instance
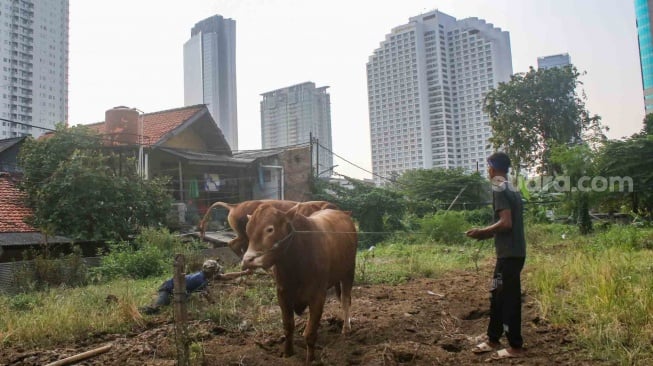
(600, 286)
(56, 315)
(398, 262)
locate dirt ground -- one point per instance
(423, 322)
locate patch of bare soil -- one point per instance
(423, 322)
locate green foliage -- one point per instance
(539, 234)
(24, 302)
(575, 162)
(480, 217)
(69, 314)
(43, 272)
(427, 190)
(631, 158)
(124, 260)
(601, 290)
(150, 254)
(40, 159)
(395, 261)
(77, 190)
(622, 237)
(648, 125)
(378, 211)
(445, 227)
(536, 110)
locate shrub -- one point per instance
(160, 238)
(43, 272)
(481, 216)
(125, 260)
(445, 227)
(151, 254)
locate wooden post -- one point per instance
(181, 316)
(81, 356)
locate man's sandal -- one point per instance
(484, 347)
(503, 353)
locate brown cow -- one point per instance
(309, 255)
(238, 212)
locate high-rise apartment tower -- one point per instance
(210, 72)
(290, 116)
(426, 84)
(548, 62)
(34, 72)
(644, 14)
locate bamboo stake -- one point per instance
(179, 298)
(81, 356)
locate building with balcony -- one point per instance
(34, 72)
(426, 85)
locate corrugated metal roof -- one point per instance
(252, 155)
(7, 143)
(14, 239)
(205, 158)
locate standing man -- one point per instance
(510, 247)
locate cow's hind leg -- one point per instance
(315, 314)
(345, 302)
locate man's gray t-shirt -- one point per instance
(510, 243)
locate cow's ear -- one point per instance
(347, 212)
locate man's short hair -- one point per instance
(499, 161)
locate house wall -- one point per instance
(9, 159)
(297, 169)
(188, 139)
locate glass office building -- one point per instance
(643, 13)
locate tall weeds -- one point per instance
(602, 289)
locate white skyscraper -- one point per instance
(547, 62)
(34, 72)
(426, 84)
(289, 116)
(210, 72)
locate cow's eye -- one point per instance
(269, 229)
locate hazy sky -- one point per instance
(130, 52)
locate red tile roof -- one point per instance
(12, 208)
(157, 124)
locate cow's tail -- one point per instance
(204, 221)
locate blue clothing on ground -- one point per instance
(194, 282)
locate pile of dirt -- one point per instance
(423, 322)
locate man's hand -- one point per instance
(478, 234)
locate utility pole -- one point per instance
(310, 136)
(317, 158)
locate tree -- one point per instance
(631, 159)
(535, 111)
(378, 211)
(427, 190)
(648, 125)
(78, 190)
(577, 161)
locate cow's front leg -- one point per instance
(315, 309)
(288, 319)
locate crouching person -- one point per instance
(195, 282)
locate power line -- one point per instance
(357, 166)
(27, 124)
